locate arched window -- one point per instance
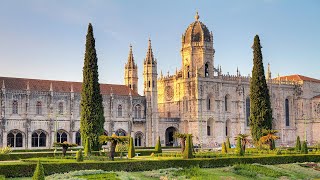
(39, 108)
(119, 111)
(39, 139)
(210, 126)
(121, 132)
(206, 70)
(78, 138)
(14, 138)
(15, 107)
(208, 131)
(62, 136)
(138, 139)
(60, 107)
(137, 111)
(226, 103)
(248, 110)
(208, 103)
(287, 112)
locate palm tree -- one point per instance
(269, 137)
(244, 141)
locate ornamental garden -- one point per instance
(116, 157)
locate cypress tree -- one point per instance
(158, 148)
(187, 153)
(298, 144)
(239, 149)
(228, 143)
(39, 172)
(260, 106)
(224, 149)
(92, 119)
(79, 156)
(304, 148)
(131, 151)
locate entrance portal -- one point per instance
(170, 140)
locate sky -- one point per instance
(46, 39)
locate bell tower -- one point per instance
(131, 73)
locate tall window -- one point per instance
(208, 131)
(119, 111)
(137, 111)
(14, 139)
(38, 139)
(226, 99)
(39, 108)
(206, 70)
(287, 112)
(248, 110)
(208, 103)
(60, 107)
(78, 138)
(15, 107)
(228, 127)
(62, 136)
(138, 139)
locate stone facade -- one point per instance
(197, 99)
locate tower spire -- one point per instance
(197, 16)
(131, 72)
(149, 57)
(130, 63)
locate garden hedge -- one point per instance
(27, 169)
(17, 156)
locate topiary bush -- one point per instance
(298, 144)
(79, 156)
(304, 148)
(239, 149)
(158, 148)
(224, 149)
(131, 152)
(187, 153)
(39, 172)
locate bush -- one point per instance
(239, 149)
(5, 150)
(26, 169)
(9, 157)
(304, 148)
(39, 172)
(224, 149)
(187, 153)
(158, 148)
(79, 156)
(298, 144)
(131, 152)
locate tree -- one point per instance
(187, 154)
(65, 145)
(114, 140)
(131, 151)
(239, 149)
(244, 141)
(79, 156)
(269, 137)
(260, 106)
(298, 144)
(182, 138)
(92, 119)
(304, 148)
(224, 149)
(228, 143)
(39, 172)
(158, 148)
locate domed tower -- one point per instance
(131, 73)
(197, 50)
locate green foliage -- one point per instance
(158, 148)
(2, 177)
(5, 150)
(228, 143)
(298, 144)
(182, 138)
(224, 149)
(79, 156)
(122, 146)
(304, 148)
(92, 119)
(251, 170)
(17, 156)
(39, 172)
(187, 154)
(239, 149)
(260, 106)
(131, 152)
(114, 139)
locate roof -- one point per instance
(61, 86)
(197, 32)
(297, 77)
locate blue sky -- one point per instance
(46, 39)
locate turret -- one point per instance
(131, 73)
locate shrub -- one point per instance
(39, 172)
(239, 149)
(131, 152)
(228, 143)
(298, 144)
(79, 156)
(158, 148)
(5, 150)
(224, 149)
(65, 145)
(187, 153)
(304, 148)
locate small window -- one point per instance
(15, 107)
(60, 107)
(137, 111)
(287, 112)
(208, 131)
(206, 70)
(149, 84)
(208, 104)
(39, 108)
(119, 111)
(226, 99)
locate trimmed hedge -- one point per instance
(26, 170)
(17, 156)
